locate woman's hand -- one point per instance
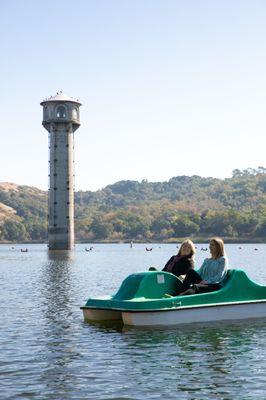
(204, 283)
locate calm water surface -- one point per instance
(48, 352)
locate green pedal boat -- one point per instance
(149, 299)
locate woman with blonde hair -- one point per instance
(210, 276)
(183, 261)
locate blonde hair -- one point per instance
(191, 244)
(219, 244)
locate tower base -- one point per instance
(60, 241)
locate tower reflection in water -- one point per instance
(59, 347)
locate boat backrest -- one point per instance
(240, 287)
(150, 285)
(237, 287)
(227, 276)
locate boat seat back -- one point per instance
(227, 276)
(239, 286)
(149, 285)
(236, 287)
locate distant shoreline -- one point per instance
(169, 241)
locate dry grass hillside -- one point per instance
(6, 212)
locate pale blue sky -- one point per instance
(168, 87)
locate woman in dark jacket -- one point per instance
(182, 262)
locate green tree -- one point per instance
(183, 226)
(261, 229)
(101, 229)
(14, 231)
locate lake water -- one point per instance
(47, 351)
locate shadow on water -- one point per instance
(105, 327)
(119, 327)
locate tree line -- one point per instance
(149, 211)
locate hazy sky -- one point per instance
(168, 87)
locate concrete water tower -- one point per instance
(61, 119)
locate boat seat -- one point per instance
(149, 285)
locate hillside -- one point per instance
(159, 211)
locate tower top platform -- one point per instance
(60, 96)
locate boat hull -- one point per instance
(196, 314)
(94, 315)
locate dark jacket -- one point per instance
(180, 267)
